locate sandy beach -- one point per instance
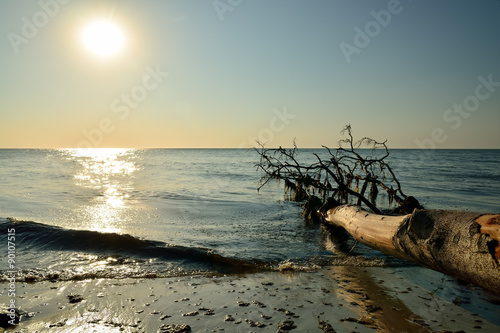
(335, 299)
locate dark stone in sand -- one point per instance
(351, 319)
(30, 279)
(75, 298)
(8, 318)
(352, 291)
(241, 303)
(53, 277)
(209, 312)
(229, 318)
(373, 308)
(258, 304)
(174, 328)
(325, 326)
(255, 323)
(286, 326)
(420, 322)
(190, 314)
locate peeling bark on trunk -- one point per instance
(464, 245)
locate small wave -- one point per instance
(34, 236)
(318, 262)
(112, 255)
(38, 275)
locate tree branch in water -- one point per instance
(345, 175)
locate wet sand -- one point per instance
(341, 299)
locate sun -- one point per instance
(103, 38)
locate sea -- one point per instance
(78, 214)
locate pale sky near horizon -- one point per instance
(208, 74)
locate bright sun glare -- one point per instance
(103, 38)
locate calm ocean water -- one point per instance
(164, 212)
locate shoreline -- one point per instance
(359, 299)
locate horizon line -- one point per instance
(220, 148)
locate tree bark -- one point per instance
(464, 245)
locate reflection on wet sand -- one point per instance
(393, 299)
(372, 303)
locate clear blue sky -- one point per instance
(220, 73)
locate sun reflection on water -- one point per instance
(106, 175)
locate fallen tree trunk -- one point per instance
(464, 245)
(461, 244)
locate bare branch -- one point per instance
(333, 177)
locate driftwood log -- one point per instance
(464, 245)
(340, 186)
